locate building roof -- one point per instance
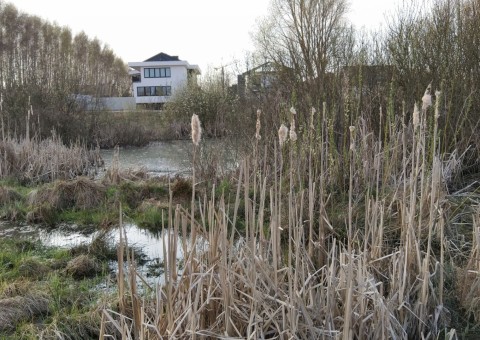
(163, 57)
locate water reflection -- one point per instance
(175, 157)
(161, 158)
(67, 236)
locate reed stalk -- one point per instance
(373, 273)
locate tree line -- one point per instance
(43, 66)
(321, 58)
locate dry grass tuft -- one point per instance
(116, 176)
(8, 195)
(151, 203)
(83, 266)
(20, 287)
(181, 188)
(14, 310)
(31, 268)
(101, 248)
(80, 193)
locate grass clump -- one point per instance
(50, 200)
(80, 193)
(12, 203)
(48, 292)
(151, 214)
(17, 309)
(83, 266)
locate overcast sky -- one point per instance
(209, 33)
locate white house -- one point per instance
(156, 79)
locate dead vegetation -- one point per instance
(40, 161)
(17, 309)
(320, 244)
(83, 266)
(8, 195)
(78, 194)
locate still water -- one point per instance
(149, 246)
(70, 235)
(157, 158)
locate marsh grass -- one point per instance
(349, 246)
(43, 293)
(63, 199)
(34, 161)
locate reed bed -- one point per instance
(320, 242)
(34, 161)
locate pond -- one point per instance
(149, 245)
(158, 158)
(175, 157)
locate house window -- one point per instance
(143, 91)
(158, 72)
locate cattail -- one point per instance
(437, 104)
(312, 114)
(282, 134)
(416, 117)
(427, 98)
(196, 130)
(257, 131)
(293, 134)
(352, 138)
(293, 111)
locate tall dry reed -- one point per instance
(33, 160)
(307, 260)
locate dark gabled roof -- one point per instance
(163, 57)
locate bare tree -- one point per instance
(308, 38)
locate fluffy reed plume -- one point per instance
(427, 98)
(282, 134)
(196, 130)
(416, 116)
(293, 134)
(437, 104)
(352, 138)
(257, 130)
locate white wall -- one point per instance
(177, 80)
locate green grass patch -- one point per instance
(40, 296)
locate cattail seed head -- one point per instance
(427, 98)
(282, 134)
(416, 117)
(196, 130)
(437, 104)
(293, 111)
(293, 134)
(312, 114)
(352, 138)
(257, 128)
